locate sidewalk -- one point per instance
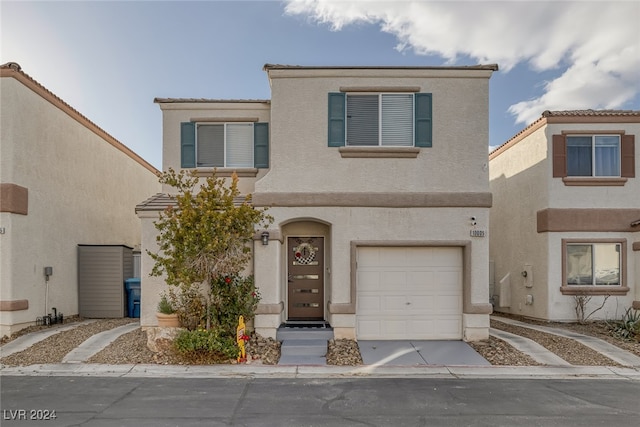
(365, 371)
(555, 367)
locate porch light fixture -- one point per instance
(265, 238)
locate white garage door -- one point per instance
(409, 293)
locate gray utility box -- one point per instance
(102, 270)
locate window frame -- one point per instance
(422, 120)
(225, 143)
(380, 118)
(594, 289)
(260, 146)
(593, 151)
(558, 154)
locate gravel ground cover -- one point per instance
(570, 350)
(499, 353)
(599, 329)
(54, 348)
(132, 347)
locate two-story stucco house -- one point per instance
(64, 182)
(377, 178)
(565, 220)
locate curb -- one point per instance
(307, 371)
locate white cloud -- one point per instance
(595, 44)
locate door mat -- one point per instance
(292, 324)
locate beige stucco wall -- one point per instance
(175, 113)
(302, 162)
(561, 307)
(519, 185)
(522, 184)
(81, 190)
(561, 196)
(454, 169)
(151, 287)
(347, 225)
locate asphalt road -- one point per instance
(101, 401)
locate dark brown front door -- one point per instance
(305, 261)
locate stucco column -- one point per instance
(267, 268)
(636, 258)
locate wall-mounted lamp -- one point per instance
(524, 274)
(48, 271)
(265, 238)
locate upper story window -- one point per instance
(380, 119)
(598, 156)
(593, 155)
(224, 145)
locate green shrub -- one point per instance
(205, 346)
(232, 297)
(628, 327)
(190, 304)
(164, 306)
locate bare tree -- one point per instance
(581, 301)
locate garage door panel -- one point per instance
(448, 304)
(369, 257)
(394, 327)
(369, 329)
(370, 303)
(448, 278)
(394, 304)
(448, 328)
(440, 257)
(420, 303)
(419, 278)
(368, 280)
(394, 279)
(421, 329)
(409, 293)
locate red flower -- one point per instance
(245, 338)
(298, 254)
(253, 294)
(227, 280)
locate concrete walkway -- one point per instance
(555, 366)
(26, 341)
(530, 347)
(419, 352)
(614, 353)
(291, 371)
(97, 343)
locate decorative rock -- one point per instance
(262, 350)
(343, 352)
(160, 339)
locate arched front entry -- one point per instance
(306, 258)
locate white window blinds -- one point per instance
(239, 145)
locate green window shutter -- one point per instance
(187, 145)
(336, 119)
(423, 120)
(261, 145)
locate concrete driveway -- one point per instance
(413, 353)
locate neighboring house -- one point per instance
(565, 221)
(63, 182)
(377, 179)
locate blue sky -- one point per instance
(109, 59)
